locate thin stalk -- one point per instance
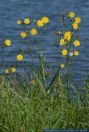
(2, 55)
(68, 67)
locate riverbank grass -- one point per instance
(34, 111)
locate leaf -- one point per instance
(39, 83)
(42, 69)
(54, 79)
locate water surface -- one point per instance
(11, 10)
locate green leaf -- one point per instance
(39, 83)
(53, 81)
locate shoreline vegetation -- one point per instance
(38, 102)
(29, 108)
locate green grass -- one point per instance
(33, 111)
(32, 107)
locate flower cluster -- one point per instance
(76, 20)
(28, 30)
(26, 21)
(10, 70)
(69, 39)
(44, 20)
(33, 31)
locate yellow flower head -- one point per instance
(19, 22)
(76, 53)
(64, 52)
(67, 36)
(75, 26)
(62, 41)
(45, 20)
(40, 23)
(62, 65)
(77, 20)
(27, 21)
(13, 69)
(71, 14)
(8, 42)
(20, 57)
(33, 31)
(76, 43)
(7, 71)
(23, 34)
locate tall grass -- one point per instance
(41, 106)
(33, 113)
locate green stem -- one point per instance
(68, 67)
(2, 55)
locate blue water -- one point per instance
(11, 10)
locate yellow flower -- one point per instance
(20, 57)
(45, 20)
(77, 20)
(75, 26)
(7, 71)
(8, 42)
(40, 23)
(62, 65)
(13, 69)
(76, 43)
(76, 53)
(19, 22)
(67, 35)
(64, 52)
(33, 31)
(23, 35)
(27, 21)
(62, 41)
(71, 14)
